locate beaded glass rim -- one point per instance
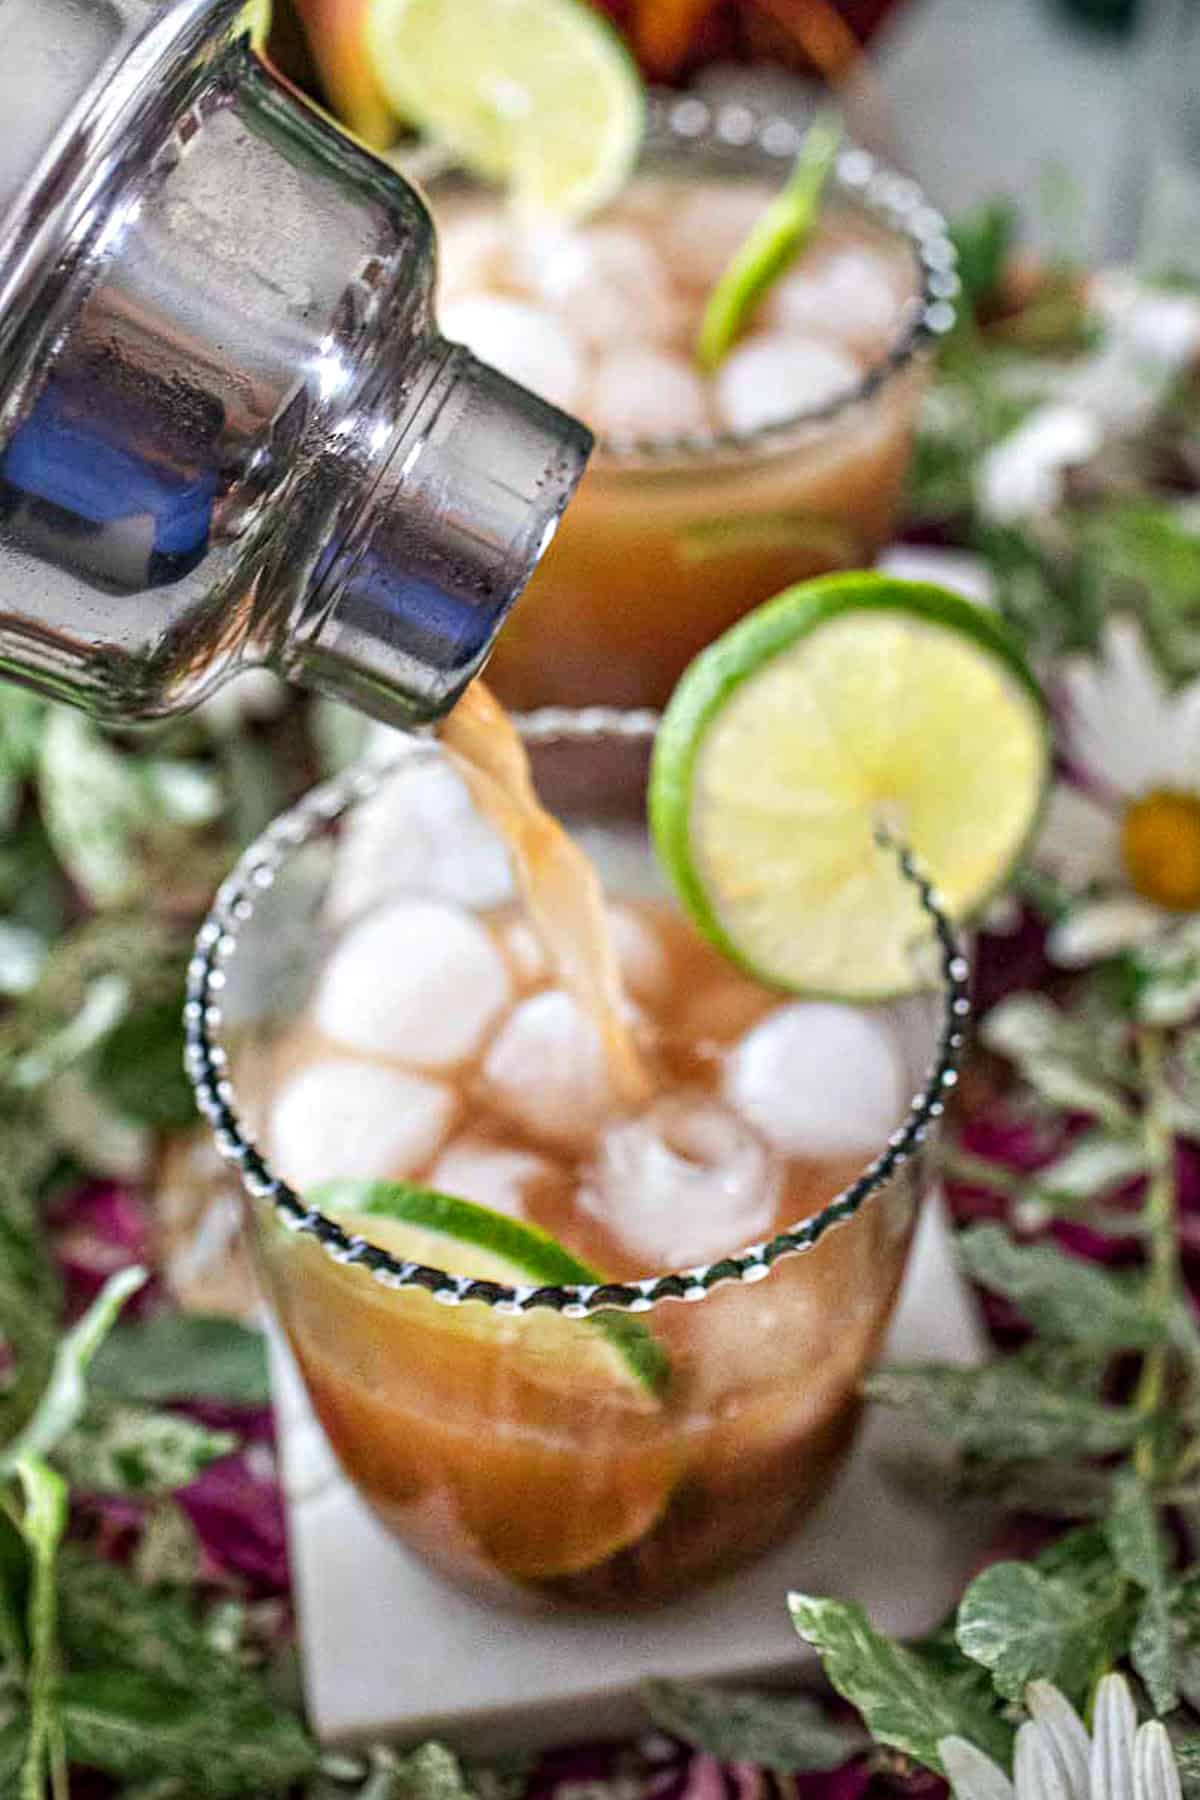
(207, 1065)
(688, 123)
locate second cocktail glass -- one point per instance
(790, 463)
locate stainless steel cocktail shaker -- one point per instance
(230, 432)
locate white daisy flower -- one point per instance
(1056, 1760)
(1125, 835)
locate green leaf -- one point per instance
(62, 1403)
(1059, 1056)
(168, 1553)
(1023, 1623)
(132, 1726)
(14, 1596)
(983, 237)
(14, 1738)
(1186, 1746)
(783, 1732)
(22, 956)
(1168, 977)
(89, 1130)
(1004, 1412)
(34, 892)
(1065, 1488)
(431, 1773)
(1095, 1164)
(1073, 1089)
(42, 1524)
(22, 716)
(117, 1448)
(30, 1296)
(1060, 1295)
(109, 1620)
(185, 1355)
(103, 809)
(139, 1067)
(904, 1699)
(93, 806)
(104, 1006)
(1136, 1542)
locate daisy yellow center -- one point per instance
(1160, 844)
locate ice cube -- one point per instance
(527, 343)
(488, 1175)
(419, 981)
(851, 295)
(774, 376)
(818, 1079)
(646, 393)
(684, 1183)
(546, 1070)
(707, 226)
(422, 834)
(472, 254)
(338, 1118)
(608, 282)
(641, 954)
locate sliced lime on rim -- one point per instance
(540, 95)
(441, 1231)
(849, 705)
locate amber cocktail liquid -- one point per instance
(706, 495)
(393, 1004)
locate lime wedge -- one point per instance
(777, 239)
(847, 704)
(443, 1232)
(538, 94)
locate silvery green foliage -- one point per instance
(784, 1732)
(121, 1449)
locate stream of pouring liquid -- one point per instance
(558, 884)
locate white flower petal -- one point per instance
(1114, 1722)
(1057, 1718)
(1184, 768)
(1023, 473)
(1080, 840)
(1119, 724)
(971, 1774)
(1100, 928)
(1037, 1768)
(1155, 1774)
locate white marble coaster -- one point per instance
(391, 1650)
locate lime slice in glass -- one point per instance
(776, 240)
(538, 1442)
(607, 1351)
(846, 706)
(540, 95)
